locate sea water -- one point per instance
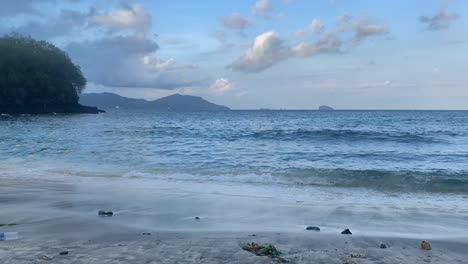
(355, 162)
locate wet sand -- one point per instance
(56, 216)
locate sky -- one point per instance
(250, 54)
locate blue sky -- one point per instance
(295, 54)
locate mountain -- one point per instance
(325, 108)
(175, 102)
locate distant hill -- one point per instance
(175, 102)
(325, 108)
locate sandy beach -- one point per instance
(55, 216)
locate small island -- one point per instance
(325, 108)
(38, 78)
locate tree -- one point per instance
(36, 73)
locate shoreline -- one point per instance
(60, 215)
(50, 109)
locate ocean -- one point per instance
(244, 170)
(400, 151)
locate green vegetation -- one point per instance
(36, 74)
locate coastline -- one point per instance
(50, 109)
(57, 215)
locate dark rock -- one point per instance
(325, 108)
(146, 234)
(104, 213)
(383, 245)
(197, 218)
(64, 253)
(314, 228)
(253, 235)
(346, 232)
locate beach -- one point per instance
(198, 187)
(155, 223)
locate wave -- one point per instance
(345, 134)
(403, 181)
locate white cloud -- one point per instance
(128, 17)
(262, 8)
(440, 20)
(363, 29)
(220, 86)
(315, 27)
(130, 61)
(329, 43)
(235, 21)
(268, 49)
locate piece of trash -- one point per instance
(63, 253)
(104, 213)
(264, 250)
(346, 232)
(8, 224)
(314, 228)
(425, 245)
(5, 236)
(197, 218)
(146, 234)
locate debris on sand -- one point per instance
(63, 253)
(8, 224)
(383, 245)
(346, 232)
(197, 218)
(264, 250)
(314, 228)
(425, 245)
(353, 255)
(146, 234)
(104, 213)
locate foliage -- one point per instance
(36, 73)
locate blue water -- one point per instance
(400, 151)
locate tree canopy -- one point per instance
(36, 73)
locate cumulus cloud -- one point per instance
(129, 61)
(315, 27)
(127, 17)
(235, 21)
(268, 49)
(363, 29)
(329, 43)
(262, 8)
(440, 20)
(220, 86)
(67, 22)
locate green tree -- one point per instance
(36, 73)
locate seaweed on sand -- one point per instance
(264, 250)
